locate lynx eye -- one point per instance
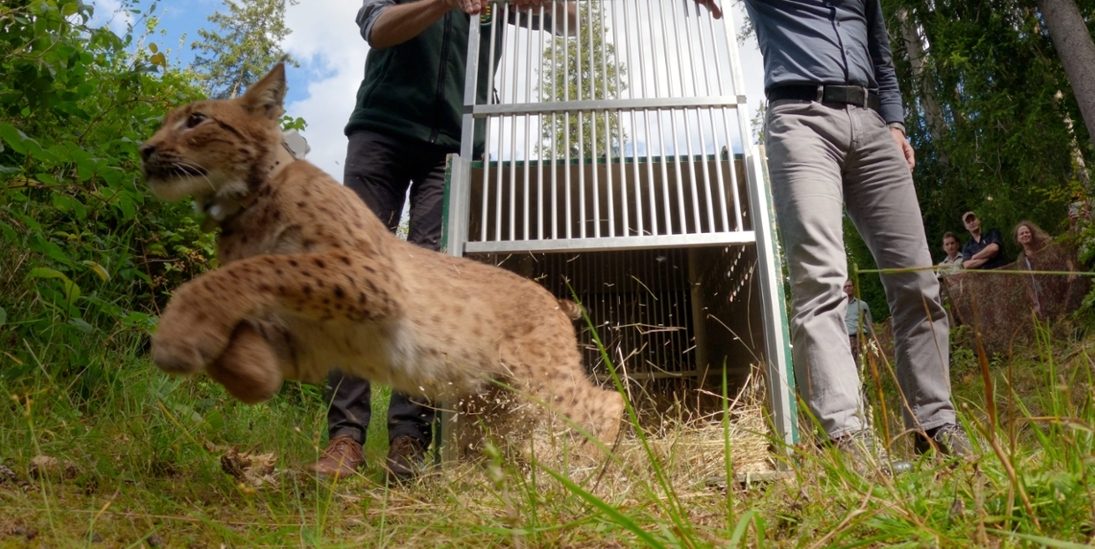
(194, 119)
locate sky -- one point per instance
(331, 53)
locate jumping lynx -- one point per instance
(311, 280)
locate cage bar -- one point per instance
(619, 165)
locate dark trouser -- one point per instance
(853, 343)
(381, 168)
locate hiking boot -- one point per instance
(948, 439)
(406, 458)
(341, 458)
(864, 454)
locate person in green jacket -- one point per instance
(405, 123)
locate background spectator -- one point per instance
(1052, 295)
(982, 250)
(857, 318)
(953, 262)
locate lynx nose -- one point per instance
(146, 151)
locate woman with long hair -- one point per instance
(1049, 293)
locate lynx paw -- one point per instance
(248, 369)
(175, 357)
(184, 345)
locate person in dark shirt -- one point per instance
(405, 123)
(836, 142)
(982, 250)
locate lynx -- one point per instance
(311, 280)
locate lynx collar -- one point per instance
(235, 197)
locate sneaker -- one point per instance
(341, 458)
(865, 455)
(406, 458)
(948, 439)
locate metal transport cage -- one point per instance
(617, 166)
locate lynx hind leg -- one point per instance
(497, 416)
(557, 382)
(599, 412)
(604, 411)
(250, 368)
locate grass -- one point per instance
(137, 461)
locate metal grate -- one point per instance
(617, 128)
(615, 146)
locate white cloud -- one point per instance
(111, 14)
(332, 54)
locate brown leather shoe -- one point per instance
(406, 458)
(341, 458)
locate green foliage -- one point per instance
(1008, 133)
(582, 67)
(245, 45)
(148, 469)
(86, 255)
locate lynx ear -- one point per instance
(266, 97)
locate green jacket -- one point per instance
(416, 89)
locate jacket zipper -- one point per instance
(439, 98)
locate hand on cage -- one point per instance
(529, 5)
(470, 7)
(712, 6)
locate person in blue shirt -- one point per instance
(836, 143)
(857, 320)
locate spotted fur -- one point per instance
(311, 280)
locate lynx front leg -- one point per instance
(199, 320)
(252, 365)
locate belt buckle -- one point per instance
(857, 95)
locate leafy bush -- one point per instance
(86, 254)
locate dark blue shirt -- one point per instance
(971, 247)
(827, 42)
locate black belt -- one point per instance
(826, 93)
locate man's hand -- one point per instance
(470, 7)
(529, 5)
(712, 6)
(902, 145)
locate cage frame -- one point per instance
(456, 240)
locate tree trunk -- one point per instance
(1077, 152)
(915, 48)
(1077, 52)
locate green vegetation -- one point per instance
(245, 44)
(142, 459)
(86, 254)
(98, 448)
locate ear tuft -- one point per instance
(267, 96)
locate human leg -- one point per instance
(371, 172)
(882, 204)
(428, 199)
(410, 422)
(347, 422)
(381, 172)
(806, 147)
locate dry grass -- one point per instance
(162, 462)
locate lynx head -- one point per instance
(217, 147)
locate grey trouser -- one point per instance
(381, 169)
(824, 158)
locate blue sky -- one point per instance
(177, 25)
